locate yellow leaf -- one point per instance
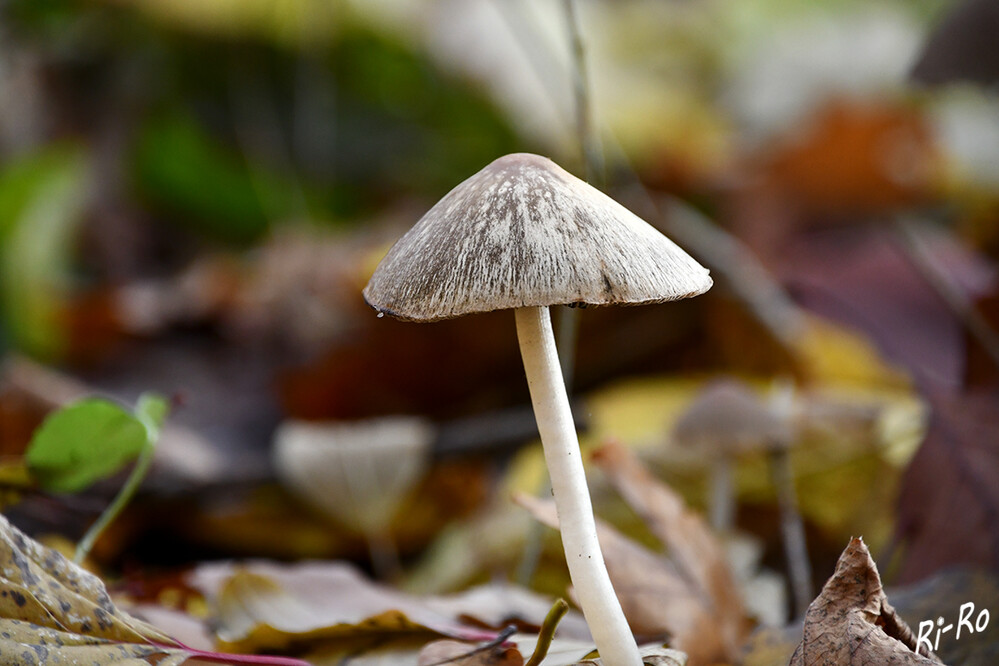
(53, 612)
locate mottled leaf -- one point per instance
(53, 612)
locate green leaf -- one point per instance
(85, 442)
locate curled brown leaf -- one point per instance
(851, 621)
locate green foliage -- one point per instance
(206, 185)
(405, 122)
(41, 205)
(91, 440)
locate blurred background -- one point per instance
(194, 192)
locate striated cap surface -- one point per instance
(523, 232)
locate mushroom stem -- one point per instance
(722, 499)
(600, 606)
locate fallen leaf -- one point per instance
(569, 652)
(949, 501)
(941, 595)
(863, 279)
(951, 594)
(53, 612)
(699, 556)
(264, 605)
(44, 590)
(851, 621)
(655, 596)
(651, 656)
(851, 156)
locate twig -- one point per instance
(501, 638)
(588, 143)
(955, 299)
(745, 275)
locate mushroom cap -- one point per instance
(359, 473)
(523, 232)
(727, 418)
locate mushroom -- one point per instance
(723, 422)
(524, 234)
(359, 473)
(727, 420)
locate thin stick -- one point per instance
(958, 303)
(593, 168)
(500, 639)
(748, 279)
(588, 143)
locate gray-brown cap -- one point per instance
(727, 418)
(522, 232)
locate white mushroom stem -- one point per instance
(600, 606)
(722, 498)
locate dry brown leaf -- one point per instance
(654, 595)
(699, 557)
(851, 621)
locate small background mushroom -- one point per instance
(727, 420)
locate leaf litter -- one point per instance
(330, 610)
(851, 621)
(689, 595)
(53, 612)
